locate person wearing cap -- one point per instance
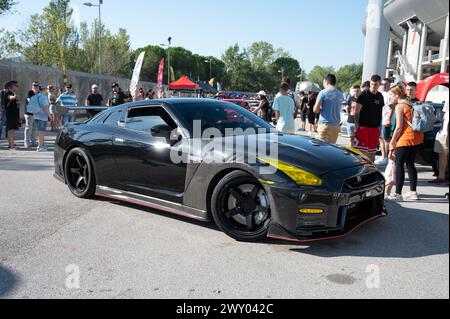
(30, 130)
(264, 106)
(117, 96)
(94, 99)
(66, 100)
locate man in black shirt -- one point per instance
(11, 105)
(117, 96)
(94, 99)
(370, 110)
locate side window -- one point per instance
(113, 118)
(143, 119)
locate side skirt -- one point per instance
(150, 202)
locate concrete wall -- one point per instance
(25, 74)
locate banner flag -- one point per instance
(219, 87)
(172, 74)
(136, 75)
(161, 78)
(211, 82)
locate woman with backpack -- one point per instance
(404, 144)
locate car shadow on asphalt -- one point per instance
(404, 233)
(8, 281)
(209, 225)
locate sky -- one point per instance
(315, 32)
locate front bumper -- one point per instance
(343, 211)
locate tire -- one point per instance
(241, 208)
(79, 174)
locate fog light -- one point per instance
(311, 211)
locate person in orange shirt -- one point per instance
(404, 144)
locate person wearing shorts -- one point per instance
(329, 104)
(41, 119)
(355, 92)
(310, 112)
(370, 110)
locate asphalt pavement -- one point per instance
(53, 245)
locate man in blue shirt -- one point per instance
(67, 99)
(329, 105)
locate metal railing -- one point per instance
(430, 58)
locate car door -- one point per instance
(103, 150)
(145, 160)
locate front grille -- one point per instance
(359, 212)
(363, 181)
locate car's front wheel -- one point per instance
(79, 174)
(241, 208)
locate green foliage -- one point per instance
(9, 47)
(50, 39)
(318, 74)
(348, 76)
(258, 67)
(6, 6)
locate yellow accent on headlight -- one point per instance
(311, 211)
(262, 181)
(354, 151)
(299, 176)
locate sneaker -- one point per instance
(42, 149)
(382, 162)
(395, 198)
(413, 196)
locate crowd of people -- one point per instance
(379, 116)
(44, 108)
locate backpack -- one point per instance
(424, 117)
(33, 105)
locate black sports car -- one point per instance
(150, 153)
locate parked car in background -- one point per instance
(254, 104)
(240, 102)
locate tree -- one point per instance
(318, 74)
(50, 39)
(349, 75)
(263, 54)
(289, 67)
(6, 6)
(153, 56)
(9, 47)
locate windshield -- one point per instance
(223, 116)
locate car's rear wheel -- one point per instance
(241, 207)
(79, 174)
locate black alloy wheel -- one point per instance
(79, 174)
(241, 208)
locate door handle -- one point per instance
(119, 140)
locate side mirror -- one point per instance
(162, 130)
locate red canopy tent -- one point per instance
(424, 87)
(184, 83)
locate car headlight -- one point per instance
(299, 176)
